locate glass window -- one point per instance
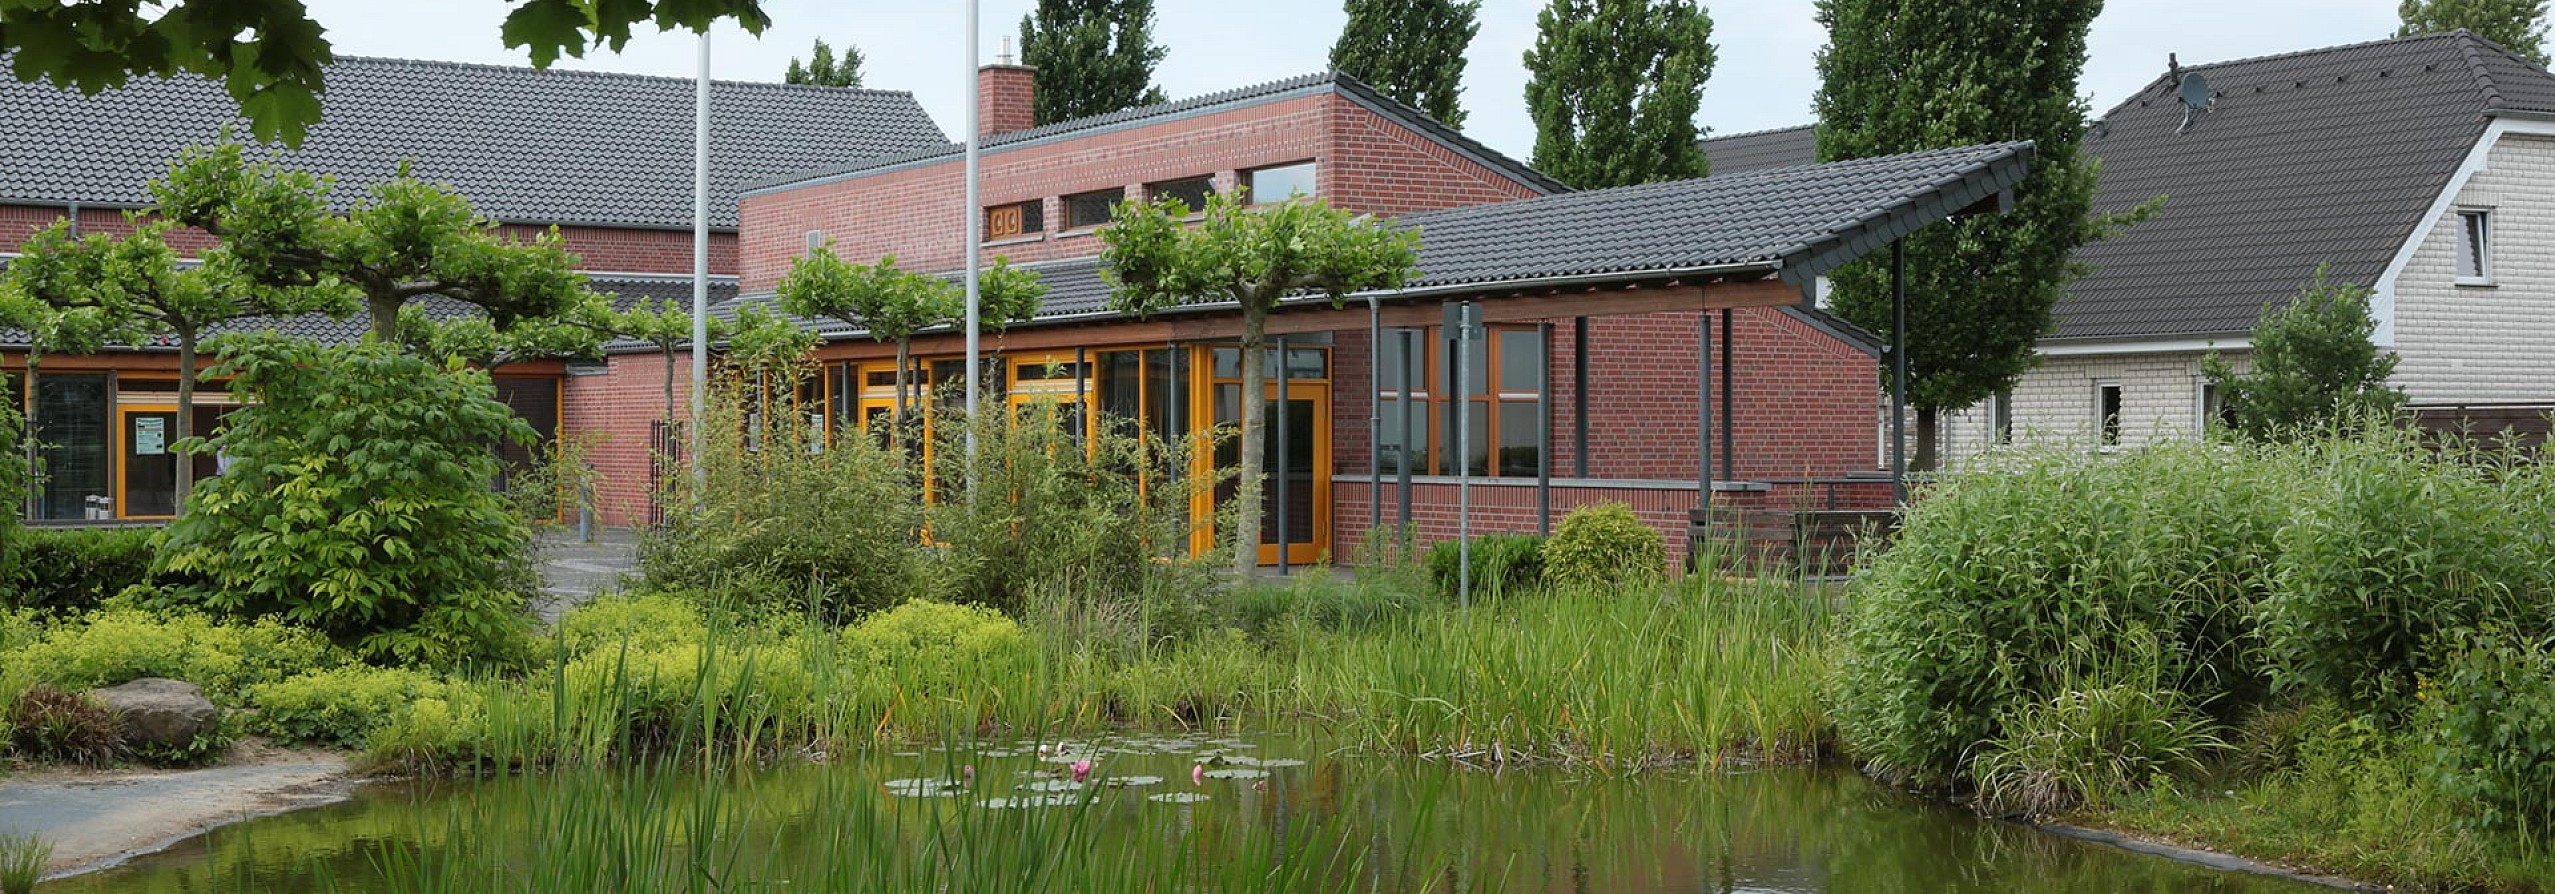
(1015, 220)
(1476, 445)
(1521, 450)
(1521, 361)
(2474, 247)
(2107, 412)
(1192, 192)
(1090, 209)
(1279, 184)
(71, 415)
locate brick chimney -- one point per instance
(1005, 98)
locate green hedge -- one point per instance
(75, 568)
(1502, 563)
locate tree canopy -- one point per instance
(1613, 87)
(1093, 56)
(1255, 257)
(893, 305)
(1412, 50)
(270, 54)
(822, 69)
(1902, 77)
(2315, 365)
(2518, 25)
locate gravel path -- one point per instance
(573, 571)
(98, 819)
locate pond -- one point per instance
(1262, 814)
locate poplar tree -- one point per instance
(1093, 56)
(1411, 50)
(2518, 25)
(1613, 86)
(822, 69)
(1908, 75)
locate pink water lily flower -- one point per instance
(1081, 770)
(1198, 774)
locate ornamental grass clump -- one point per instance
(23, 858)
(50, 723)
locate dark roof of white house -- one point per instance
(1302, 85)
(525, 145)
(1756, 151)
(1792, 224)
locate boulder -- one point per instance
(161, 712)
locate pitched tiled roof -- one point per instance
(1763, 149)
(526, 146)
(622, 291)
(2329, 156)
(1302, 85)
(1793, 223)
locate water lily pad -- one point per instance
(1235, 744)
(1130, 781)
(1051, 785)
(1026, 801)
(924, 788)
(1177, 798)
(1071, 757)
(999, 753)
(1238, 773)
(1277, 762)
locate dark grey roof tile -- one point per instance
(1780, 148)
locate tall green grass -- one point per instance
(23, 858)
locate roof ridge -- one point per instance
(2314, 51)
(1638, 189)
(2471, 49)
(604, 75)
(1759, 133)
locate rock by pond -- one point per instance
(160, 712)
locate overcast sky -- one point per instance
(1764, 79)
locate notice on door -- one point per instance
(150, 436)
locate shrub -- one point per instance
(2393, 549)
(646, 621)
(337, 706)
(1331, 602)
(934, 647)
(359, 502)
(1501, 563)
(1603, 546)
(2088, 745)
(75, 568)
(117, 645)
(51, 723)
(2492, 714)
(2012, 584)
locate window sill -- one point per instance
(2465, 283)
(1015, 240)
(1079, 231)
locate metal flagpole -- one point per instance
(700, 254)
(975, 237)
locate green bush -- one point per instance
(2049, 572)
(935, 647)
(1502, 563)
(119, 644)
(339, 706)
(2088, 746)
(2492, 713)
(663, 695)
(1603, 546)
(75, 568)
(359, 502)
(645, 621)
(1335, 602)
(48, 722)
(2394, 548)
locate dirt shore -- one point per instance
(98, 818)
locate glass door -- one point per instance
(1295, 490)
(147, 486)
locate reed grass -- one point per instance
(23, 858)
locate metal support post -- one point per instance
(1282, 471)
(1374, 414)
(1898, 371)
(1729, 398)
(1579, 396)
(1544, 434)
(1411, 366)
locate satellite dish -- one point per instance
(2195, 99)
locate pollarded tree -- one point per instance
(1254, 257)
(409, 239)
(137, 290)
(2315, 365)
(1412, 50)
(1613, 87)
(269, 53)
(47, 329)
(667, 327)
(1902, 76)
(894, 305)
(2518, 25)
(822, 69)
(1093, 56)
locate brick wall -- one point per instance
(2486, 345)
(1374, 165)
(1006, 98)
(612, 415)
(1510, 507)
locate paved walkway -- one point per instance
(97, 819)
(573, 571)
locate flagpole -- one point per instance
(700, 255)
(975, 237)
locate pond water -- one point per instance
(1163, 807)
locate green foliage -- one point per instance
(2086, 746)
(76, 568)
(16, 546)
(119, 644)
(23, 858)
(2314, 366)
(646, 621)
(2493, 713)
(822, 69)
(935, 646)
(1502, 564)
(55, 724)
(2052, 573)
(1902, 77)
(338, 706)
(1603, 547)
(1339, 603)
(406, 240)
(2518, 25)
(893, 305)
(1253, 256)
(1410, 50)
(777, 528)
(667, 327)
(270, 54)
(2393, 549)
(358, 502)
(1613, 86)
(1093, 56)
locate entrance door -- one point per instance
(147, 486)
(1295, 495)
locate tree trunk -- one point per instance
(185, 426)
(1246, 496)
(669, 387)
(385, 313)
(897, 428)
(1927, 456)
(28, 437)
